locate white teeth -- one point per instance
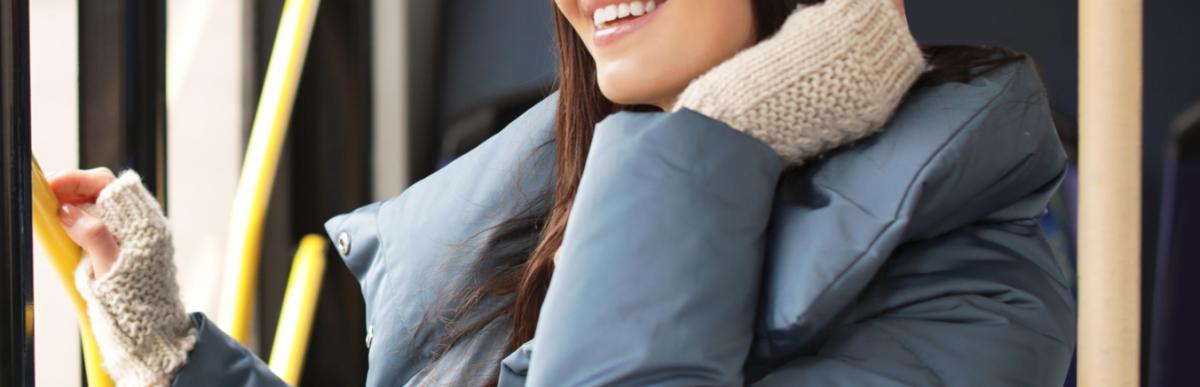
(636, 8)
(620, 11)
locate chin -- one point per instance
(641, 89)
(625, 97)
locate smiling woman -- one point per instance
(722, 192)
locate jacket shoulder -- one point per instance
(952, 155)
(406, 249)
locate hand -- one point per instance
(76, 188)
(128, 278)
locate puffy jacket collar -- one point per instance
(953, 155)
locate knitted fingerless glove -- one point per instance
(834, 73)
(139, 322)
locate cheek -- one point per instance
(686, 40)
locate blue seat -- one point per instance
(1174, 337)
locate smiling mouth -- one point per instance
(613, 15)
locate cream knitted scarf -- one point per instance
(834, 73)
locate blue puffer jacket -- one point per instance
(911, 258)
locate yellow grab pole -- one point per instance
(1110, 196)
(299, 307)
(65, 255)
(262, 156)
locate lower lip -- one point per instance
(609, 35)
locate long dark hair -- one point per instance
(516, 262)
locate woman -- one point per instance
(652, 222)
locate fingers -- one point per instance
(76, 186)
(92, 235)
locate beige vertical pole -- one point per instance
(1110, 164)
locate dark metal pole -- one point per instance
(16, 237)
(122, 88)
(145, 104)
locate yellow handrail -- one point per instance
(262, 157)
(65, 255)
(299, 307)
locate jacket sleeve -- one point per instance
(218, 360)
(660, 265)
(982, 306)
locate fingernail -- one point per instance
(68, 214)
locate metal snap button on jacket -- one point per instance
(343, 244)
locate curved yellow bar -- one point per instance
(261, 159)
(299, 307)
(65, 255)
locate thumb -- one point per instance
(90, 233)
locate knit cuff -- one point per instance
(832, 74)
(137, 317)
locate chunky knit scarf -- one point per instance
(834, 73)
